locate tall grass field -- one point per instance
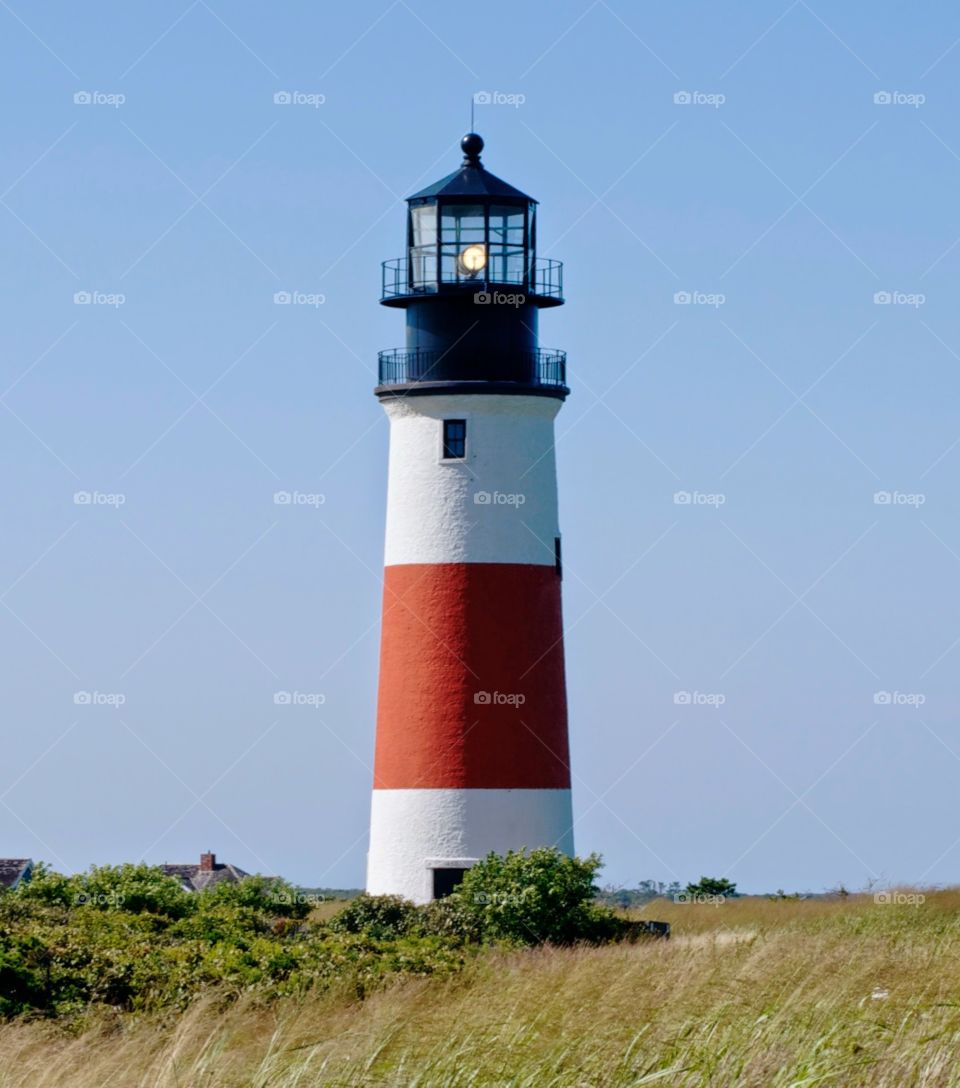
(756, 992)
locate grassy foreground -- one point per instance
(751, 992)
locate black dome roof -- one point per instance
(472, 179)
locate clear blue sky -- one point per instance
(797, 600)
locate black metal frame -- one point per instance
(543, 285)
(528, 207)
(546, 367)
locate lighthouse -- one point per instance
(472, 752)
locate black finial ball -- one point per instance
(472, 145)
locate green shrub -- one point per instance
(382, 917)
(535, 897)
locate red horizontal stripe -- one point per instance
(472, 688)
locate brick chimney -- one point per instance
(208, 862)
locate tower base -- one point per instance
(414, 833)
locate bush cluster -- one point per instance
(130, 937)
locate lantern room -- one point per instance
(471, 284)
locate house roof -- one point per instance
(195, 879)
(12, 871)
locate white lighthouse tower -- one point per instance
(471, 753)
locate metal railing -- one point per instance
(545, 280)
(541, 366)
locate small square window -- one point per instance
(454, 439)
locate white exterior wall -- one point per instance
(432, 512)
(415, 831)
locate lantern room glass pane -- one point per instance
(462, 223)
(507, 265)
(423, 223)
(506, 225)
(423, 251)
